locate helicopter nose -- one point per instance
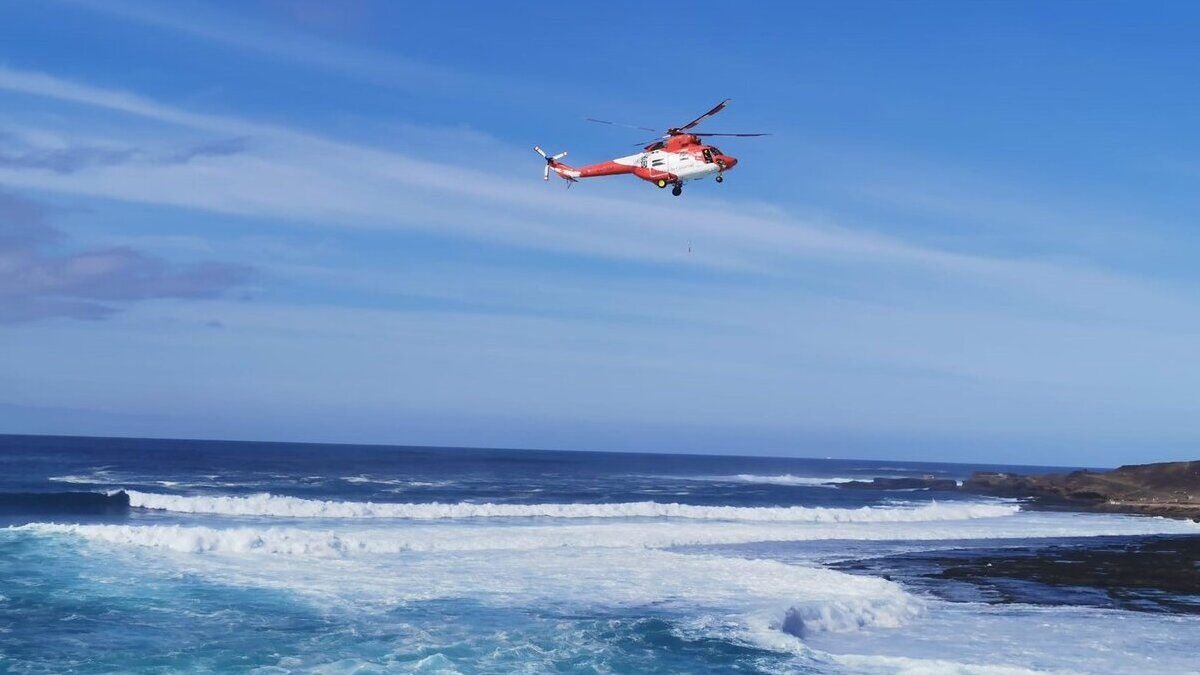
(728, 161)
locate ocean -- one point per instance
(140, 555)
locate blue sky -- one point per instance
(972, 237)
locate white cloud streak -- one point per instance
(305, 177)
(324, 182)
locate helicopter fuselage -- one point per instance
(672, 161)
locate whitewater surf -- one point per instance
(305, 558)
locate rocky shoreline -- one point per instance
(1146, 574)
(1169, 489)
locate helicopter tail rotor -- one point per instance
(552, 163)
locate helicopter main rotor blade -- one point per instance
(620, 124)
(731, 135)
(645, 143)
(716, 109)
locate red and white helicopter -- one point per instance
(676, 158)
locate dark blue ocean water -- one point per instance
(165, 556)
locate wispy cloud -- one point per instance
(31, 152)
(59, 160)
(36, 283)
(308, 177)
(222, 147)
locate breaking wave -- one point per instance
(789, 479)
(768, 597)
(306, 542)
(269, 505)
(805, 618)
(441, 536)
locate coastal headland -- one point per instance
(1170, 489)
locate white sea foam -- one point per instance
(105, 477)
(960, 637)
(80, 479)
(746, 592)
(789, 479)
(590, 566)
(899, 665)
(268, 505)
(806, 618)
(364, 479)
(770, 479)
(456, 536)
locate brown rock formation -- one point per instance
(1168, 489)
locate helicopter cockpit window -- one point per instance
(708, 156)
(715, 150)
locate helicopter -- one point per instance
(675, 158)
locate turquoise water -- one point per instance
(70, 606)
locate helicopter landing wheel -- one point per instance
(661, 183)
(720, 179)
(677, 190)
